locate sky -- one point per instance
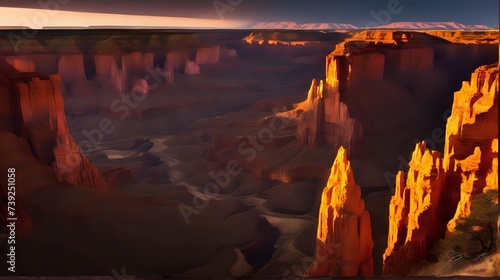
(231, 13)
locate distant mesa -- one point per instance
(346, 26)
(294, 25)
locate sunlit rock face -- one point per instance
(471, 147)
(344, 238)
(371, 55)
(439, 191)
(353, 62)
(415, 211)
(467, 37)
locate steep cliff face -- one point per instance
(344, 240)
(174, 62)
(438, 191)
(409, 58)
(71, 68)
(472, 138)
(325, 120)
(34, 105)
(415, 220)
(208, 55)
(42, 118)
(353, 62)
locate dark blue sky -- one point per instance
(357, 12)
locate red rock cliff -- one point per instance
(440, 191)
(71, 68)
(34, 102)
(472, 139)
(344, 239)
(41, 109)
(323, 119)
(415, 212)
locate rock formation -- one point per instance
(344, 240)
(174, 61)
(192, 68)
(71, 68)
(415, 211)
(22, 65)
(325, 120)
(208, 55)
(36, 102)
(42, 115)
(439, 191)
(353, 62)
(471, 147)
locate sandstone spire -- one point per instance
(438, 191)
(344, 240)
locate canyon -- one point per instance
(260, 156)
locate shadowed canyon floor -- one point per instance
(212, 149)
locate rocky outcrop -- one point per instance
(192, 68)
(71, 69)
(344, 239)
(41, 109)
(438, 191)
(355, 60)
(175, 62)
(351, 63)
(323, 120)
(471, 147)
(415, 211)
(22, 65)
(36, 105)
(208, 55)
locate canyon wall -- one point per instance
(415, 212)
(324, 120)
(36, 105)
(344, 240)
(471, 146)
(71, 69)
(439, 190)
(43, 120)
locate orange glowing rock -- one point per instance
(344, 240)
(471, 147)
(415, 212)
(439, 191)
